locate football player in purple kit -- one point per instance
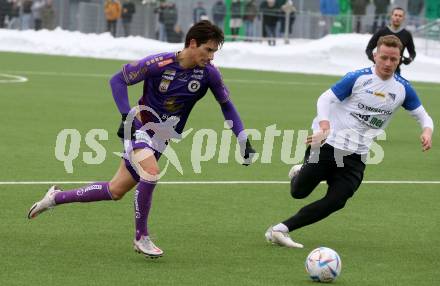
(173, 83)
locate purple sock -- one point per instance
(98, 191)
(142, 204)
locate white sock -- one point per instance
(280, 227)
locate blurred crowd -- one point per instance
(27, 14)
(242, 15)
(244, 19)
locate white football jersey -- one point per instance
(365, 107)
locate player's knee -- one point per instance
(297, 191)
(150, 173)
(117, 190)
(117, 196)
(338, 203)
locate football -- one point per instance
(323, 264)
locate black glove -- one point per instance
(122, 127)
(406, 61)
(248, 152)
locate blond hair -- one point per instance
(390, 41)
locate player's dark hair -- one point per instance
(390, 41)
(398, 8)
(204, 31)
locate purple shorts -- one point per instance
(143, 140)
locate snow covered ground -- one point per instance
(331, 55)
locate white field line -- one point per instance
(8, 78)
(206, 182)
(63, 74)
(244, 81)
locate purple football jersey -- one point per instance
(171, 90)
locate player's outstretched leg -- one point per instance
(46, 203)
(279, 235)
(98, 191)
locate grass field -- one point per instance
(212, 234)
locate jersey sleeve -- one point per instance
(343, 88)
(411, 101)
(144, 68)
(217, 86)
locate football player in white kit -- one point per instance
(349, 116)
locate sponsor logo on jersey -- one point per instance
(165, 63)
(198, 71)
(197, 76)
(171, 105)
(378, 93)
(369, 120)
(169, 72)
(154, 60)
(392, 95)
(184, 76)
(194, 85)
(374, 109)
(367, 82)
(168, 77)
(164, 84)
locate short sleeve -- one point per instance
(343, 88)
(411, 101)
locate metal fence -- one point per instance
(87, 16)
(430, 35)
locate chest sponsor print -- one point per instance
(372, 121)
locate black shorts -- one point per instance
(344, 178)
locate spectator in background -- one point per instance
(329, 10)
(112, 10)
(36, 8)
(128, 9)
(199, 13)
(270, 18)
(176, 35)
(14, 14)
(380, 14)
(5, 11)
(415, 8)
(26, 14)
(160, 12)
(287, 7)
(236, 18)
(250, 13)
(358, 9)
(218, 13)
(48, 16)
(169, 19)
(395, 28)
